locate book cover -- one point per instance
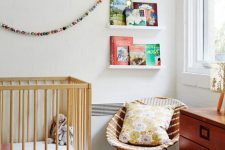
(137, 55)
(153, 54)
(136, 18)
(151, 12)
(120, 50)
(117, 16)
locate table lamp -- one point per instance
(217, 80)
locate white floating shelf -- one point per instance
(136, 27)
(134, 67)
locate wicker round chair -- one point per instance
(115, 125)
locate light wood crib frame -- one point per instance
(28, 105)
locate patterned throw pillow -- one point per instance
(146, 125)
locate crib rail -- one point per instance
(28, 104)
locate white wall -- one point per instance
(191, 89)
(83, 51)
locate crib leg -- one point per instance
(89, 110)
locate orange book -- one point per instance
(119, 50)
(137, 55)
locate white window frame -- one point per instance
(194, 42)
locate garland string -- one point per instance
(54, 31)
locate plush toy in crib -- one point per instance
(62, 131)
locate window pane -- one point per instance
(214, 30)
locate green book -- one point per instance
(153, 54)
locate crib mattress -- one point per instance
(29, 146)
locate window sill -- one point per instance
(196, 80)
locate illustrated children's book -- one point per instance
(137, 55)
(151, 12)
(117, 16)
(137, 17)
(153, 54)
(119, 50)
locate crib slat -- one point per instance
(53, 103)
(35, 119)
(23, 123)
(11, 120)
(68, 119)
(61, 100)
(78, 116)
(37, 108)
(85, 119)
(0, 122)
(2, 95)
(28, 112)
(46, 119)
(57, 118)
(19, 112)
(75, 120)
(82, 118)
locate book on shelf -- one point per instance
(137, 55)
(136, 17)
(153, 54)
(117, 16)
(150, 10)
(119, 50)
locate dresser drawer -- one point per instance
(202, 133)
(186, 144)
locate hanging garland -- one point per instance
(76, 21)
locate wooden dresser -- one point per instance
(202, 129)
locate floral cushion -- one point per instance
(146, 125)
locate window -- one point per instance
(214, 30)
(204, 34)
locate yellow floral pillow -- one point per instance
(146, 125)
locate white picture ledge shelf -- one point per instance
(134, 67)
(136, 27)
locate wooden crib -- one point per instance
(27, 108)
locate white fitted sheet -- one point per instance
(29, 146)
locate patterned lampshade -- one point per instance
(218, 77)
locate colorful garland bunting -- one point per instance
(12, 29)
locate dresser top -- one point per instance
(209, 115)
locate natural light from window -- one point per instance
(215, 31)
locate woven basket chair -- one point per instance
(115, 125)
